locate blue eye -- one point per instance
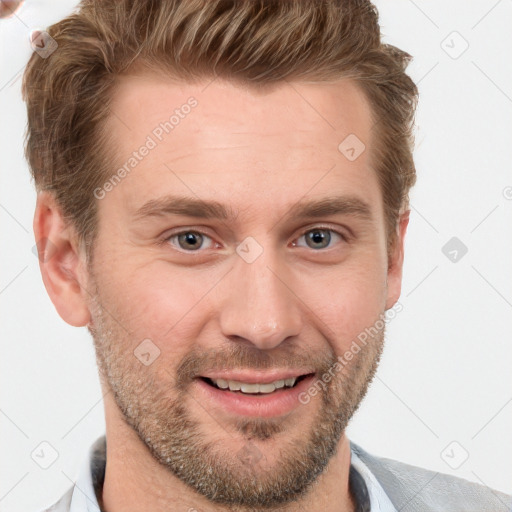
(190, 240)
(320, 238)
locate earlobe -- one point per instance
(396, 260)
(61, 264)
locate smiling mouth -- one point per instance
(233, 386)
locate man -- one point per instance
(222, 201)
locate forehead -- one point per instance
(141, 102)
(218, 139)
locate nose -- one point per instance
(259, 304)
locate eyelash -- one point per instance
(345, 238)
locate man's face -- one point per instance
(259, 296)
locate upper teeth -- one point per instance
(234, 385)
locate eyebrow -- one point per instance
(210, 209)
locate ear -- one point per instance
(62, 265)
(395, 262)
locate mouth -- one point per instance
(263, 395)
(254, 388)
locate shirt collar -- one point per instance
(89, 484)
(379, 500)
(88, 487)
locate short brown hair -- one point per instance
(257, 43)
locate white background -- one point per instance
(446, 372)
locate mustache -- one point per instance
(246, 357)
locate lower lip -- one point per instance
(278, 403)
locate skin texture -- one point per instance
(297, 305)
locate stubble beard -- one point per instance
(237, 479)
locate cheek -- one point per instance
(348, 301)
(156, 302)
(171, 305)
